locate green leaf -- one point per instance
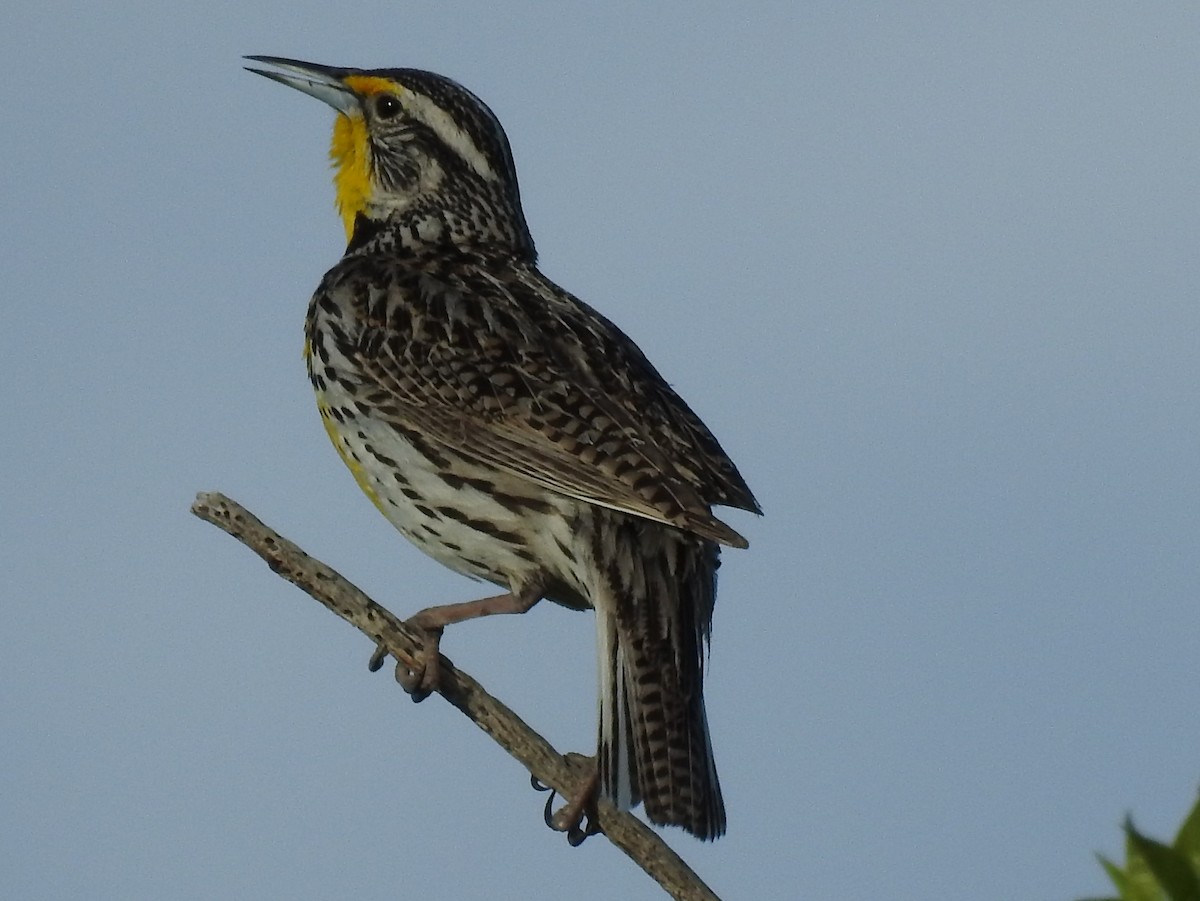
(1140, 884)
(1187, 842)
(1117, 875)
(1171, 869)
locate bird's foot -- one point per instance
(577, 818)
(421, 681)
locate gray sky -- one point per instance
(930, 271)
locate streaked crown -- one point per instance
(417, 153)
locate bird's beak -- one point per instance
(326, 83)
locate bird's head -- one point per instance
(415, 150)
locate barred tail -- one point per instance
(654, 603)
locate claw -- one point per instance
(377, 659)
(577, 836)
(548, 813)
(538, 785)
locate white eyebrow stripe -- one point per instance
(425, 110)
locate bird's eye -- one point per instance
(386, 106)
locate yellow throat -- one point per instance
(352, 178)
(350, 154)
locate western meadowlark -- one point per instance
(512, 432)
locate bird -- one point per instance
(512, 432)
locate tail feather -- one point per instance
(653, 612)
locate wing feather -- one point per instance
(519, 375)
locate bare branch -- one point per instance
(390, 635)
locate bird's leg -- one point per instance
(420, 683)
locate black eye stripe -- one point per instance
(386, 106)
